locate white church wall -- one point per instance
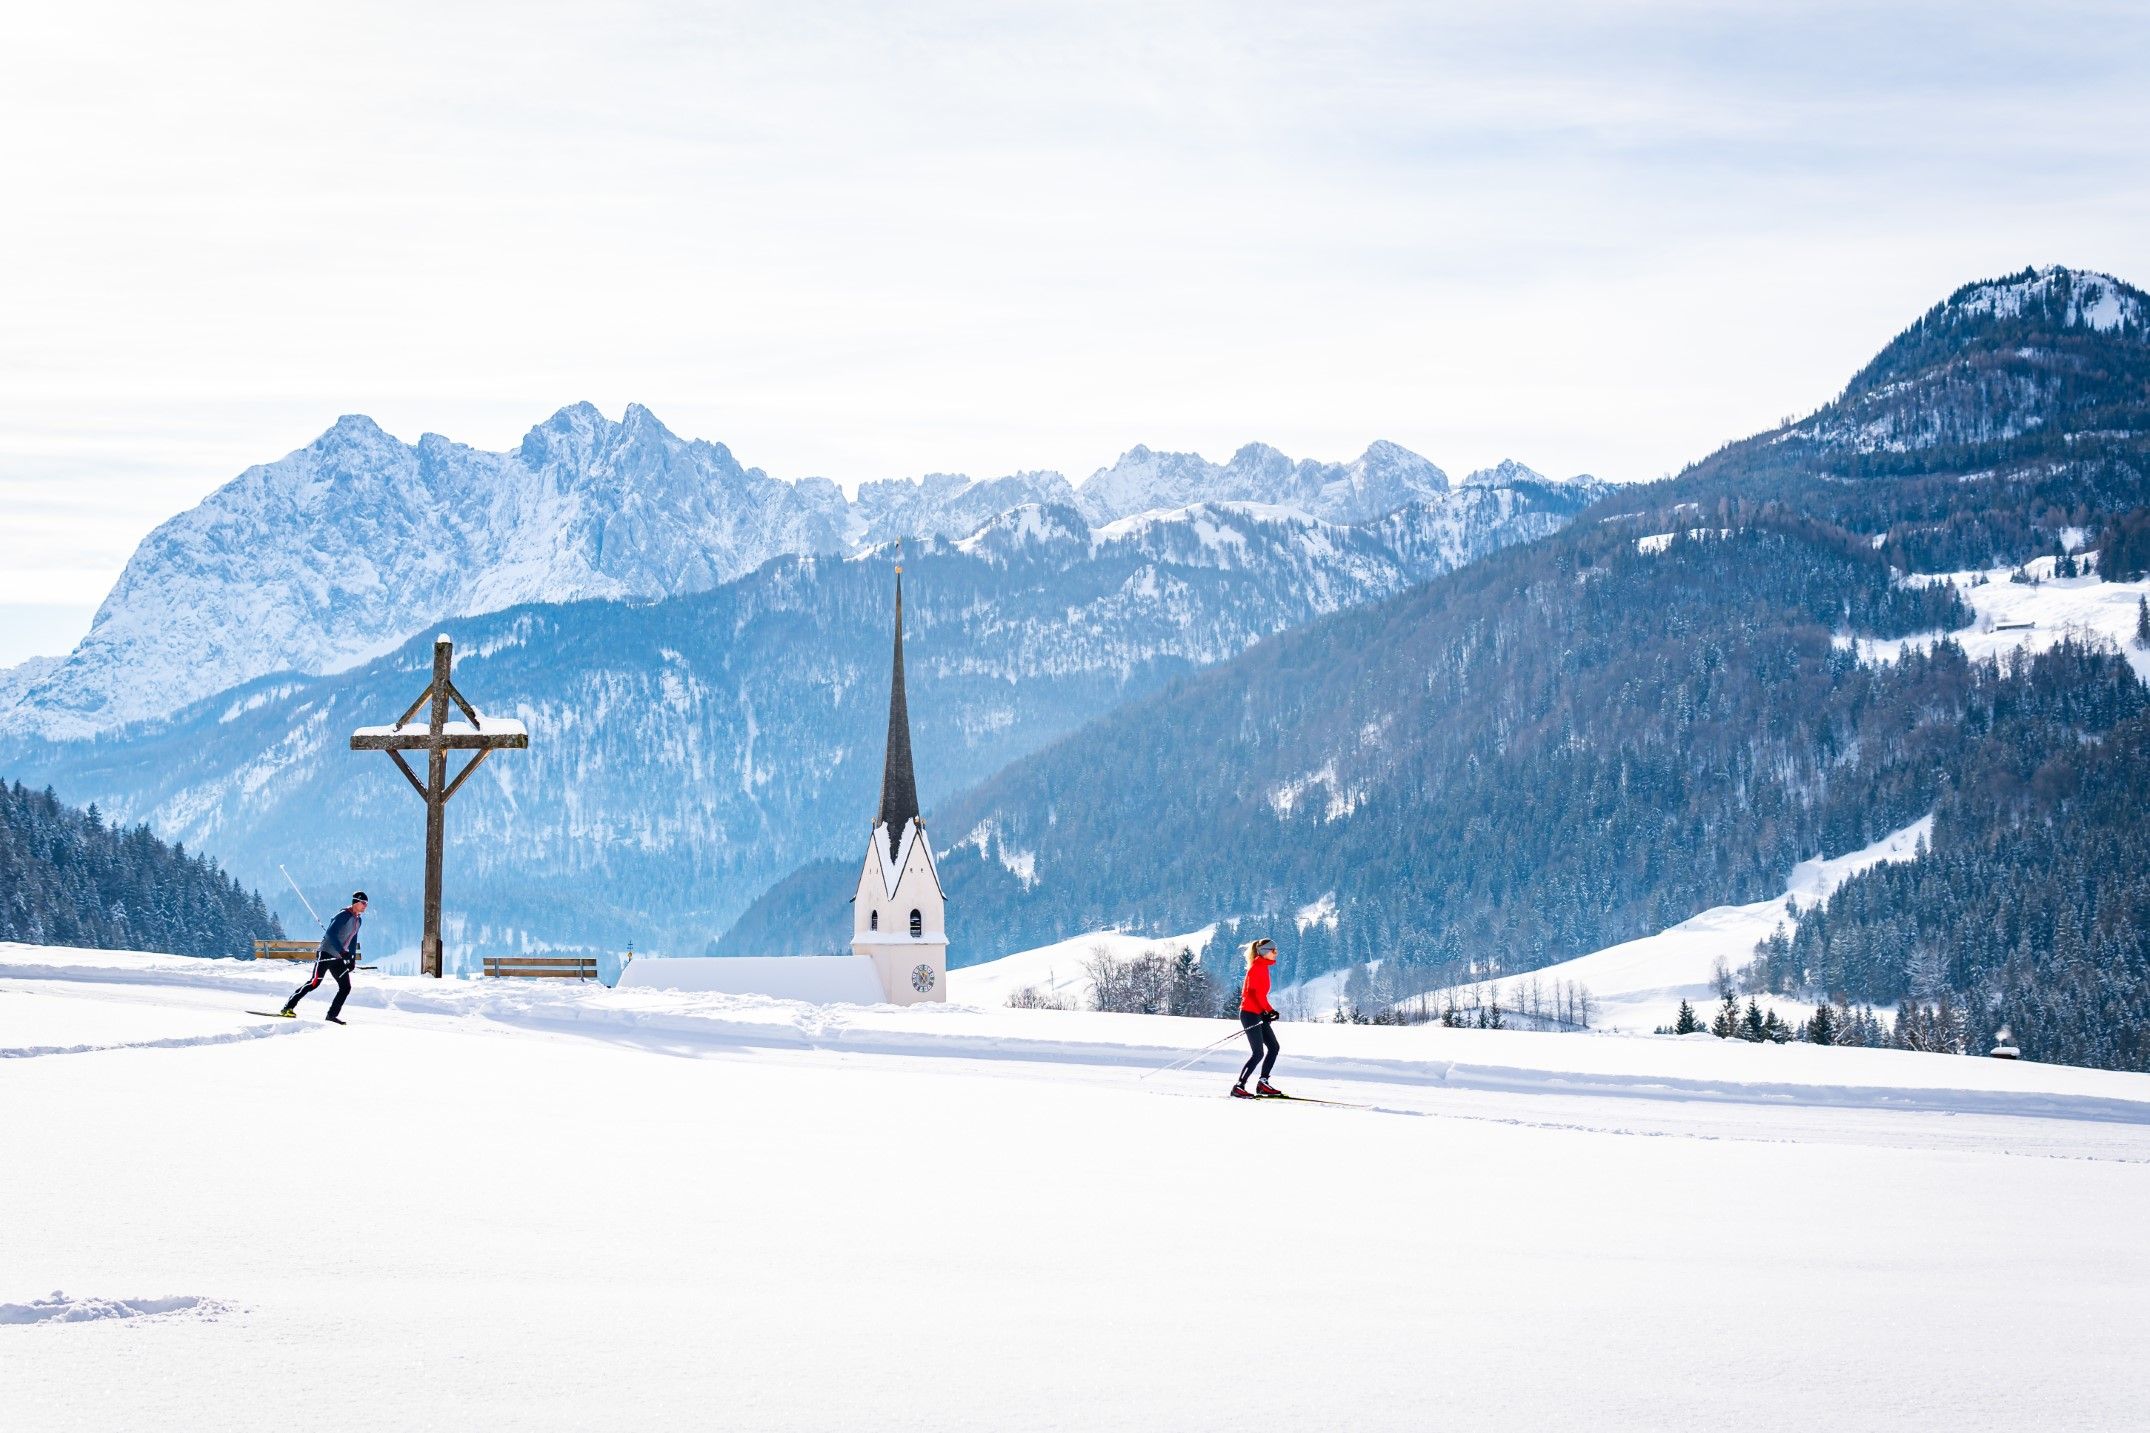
(896, 965)
(820, 979)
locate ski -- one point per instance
(276, 1014)
(1310, 1100)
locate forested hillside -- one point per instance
(69, 878)
(1663, 708)
(1518, 761)
(2035, 899)
(1564, 747)
(2009, 418)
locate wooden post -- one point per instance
(436, 809)
(481, 738)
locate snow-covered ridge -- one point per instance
(1378, 482)
(1507, 473)
(2085, 298)
(335, 554)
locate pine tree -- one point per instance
(1751, 1023)
(2142, 623)
(1726, 1025)
(1821, 1029)
(1687, 1024)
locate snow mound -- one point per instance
(60, 1309)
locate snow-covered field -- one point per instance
(495, 1205)
(2015, 616)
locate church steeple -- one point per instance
(899, 787)
(898, 910)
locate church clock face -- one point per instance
(922, 978)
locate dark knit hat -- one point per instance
(357, 896)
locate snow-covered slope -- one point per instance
(338, 552)
(1637, 986)
(18, 679)
(685, 1211)
(1059, 973)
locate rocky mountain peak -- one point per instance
(1381, 480)
(1506, 474)
(352, 430)
(359, 540)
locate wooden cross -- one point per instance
(438, 737)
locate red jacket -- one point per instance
(1254, 998)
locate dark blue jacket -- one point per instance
(341, 939)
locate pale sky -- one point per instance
(864, 240)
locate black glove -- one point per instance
(1269, 1017)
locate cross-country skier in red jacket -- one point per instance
(1258, 1018)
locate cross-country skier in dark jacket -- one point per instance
(338, 954)
(1258, 1018)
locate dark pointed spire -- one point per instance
(899, 787)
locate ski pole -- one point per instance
(1174, 1065)
(300, 894)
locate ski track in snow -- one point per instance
(176, 1042)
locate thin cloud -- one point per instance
(860, 242)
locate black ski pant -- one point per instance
(1263, 1037)
(336, 965)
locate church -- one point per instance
(897, 910)
(899, 935)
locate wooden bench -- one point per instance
(286, 949)
(541, 967)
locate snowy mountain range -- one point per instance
(339, 551)
(687, 752)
